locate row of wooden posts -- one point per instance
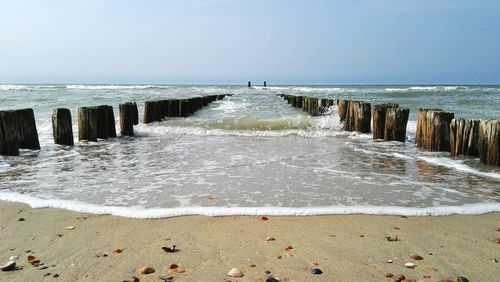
(18, 128)
(437, 130)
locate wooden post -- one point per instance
(127, 119)
(343, 108)
(396, 120)
(111, 122)
(265, 84)
(379, 114)
(358, 117)
(464, 137)
(28, 135)
(87, 123)
(102, 122)
(489, 142)
(9, 136)
(249, 84)
(62, 127)
(135, 113)
(433, 129)
(150, 114)
(298, 101)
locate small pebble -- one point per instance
(416, 257)
(235, 272)
(462, 279)
(21, 219)
(316, 271)
(267, 272)
(497, 241)
(47, 274)
(43, 267)
(69, 227)
(146, 270)
(105, 255)
(279, 257)
(389, 261)
(56, 275)
(361, 236)
(173, 266)
(272, 279)
(389, 275)
(410, 265)
(270, 239)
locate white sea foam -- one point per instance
(411, 126)
(138, 212)
(154, 130)
(426, 88)
(114, 87)
(458, 165)
(27, 87)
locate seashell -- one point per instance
(498, 229)
(11, 265)
(288, 248)
(69, 227)
(173, 266)
(410, 265)
(211, 197)
(33, 260)
(181, 270)
(416, 257)
(165, 278)
(270, 239)
(235, 272)
(170, 250)
(13, 258)
(117, 251)
(264, 217)
(146, 270)
(389, 261)
(272, 279)
(497, 241)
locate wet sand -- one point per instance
(344, 247)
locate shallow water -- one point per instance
(248, 151)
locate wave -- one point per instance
(427, 88)
(26, 87)
(155, 213)
(458, 165)
(115, 87)
(154, 130)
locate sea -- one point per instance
(249, 154)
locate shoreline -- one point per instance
(344, 247)
(163, 213)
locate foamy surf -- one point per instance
(157, 213)
(458, 165)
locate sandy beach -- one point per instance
(80, 247)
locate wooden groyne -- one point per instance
(437, 130)
(62, 127)
(160, 109)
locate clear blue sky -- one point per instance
(223, 41)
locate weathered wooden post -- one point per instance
(102, 122)
(265, 83)
(358, 117)
(249, 84)
(396, 120)
(298, 101)
(62, 127)
(489, 142)
(9, 133)
(293, 101)
(343, 108)
(111, 122)
(135, 113)
(28, 135)
(379, 113)
(150, 112)
(464, 137)
(87, 123)
(433, 129)
(127, 119)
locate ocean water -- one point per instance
(250, 153)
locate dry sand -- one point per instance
(345, 248)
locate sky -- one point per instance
(231, 42)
